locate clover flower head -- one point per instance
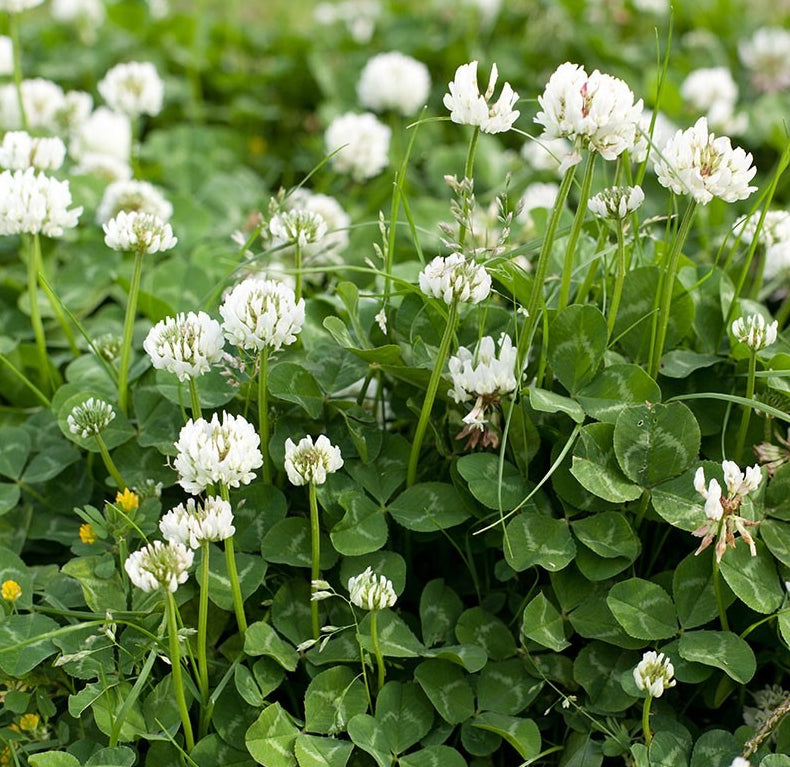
(616, 202)
(87, 15)
(17, 6)
(546, 154)
(489, 370)
(394, 81)
(217, 452)
(35, 203)
(133, 88)
(87, 533)
(6, 55)
(20, 151)
(739, 761)
(654, 674)
(713, 91)
(358, 16)
(359, 144)
(90, 418)
(369, 591)
(159, 565)
(469, 107)
(308, 463)
(186, 345)
(766, 55)
(262, 314)
(698, 163)
(132, 195)
(755, 332)
(138, 232)
(596, 112)
(127, 500)
(10, 591)
(298, 227)
(453, 279)
(194, 523)
(103, 140)
(772, 456)
(42, 100)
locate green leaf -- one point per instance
(53, 759)
(693, 592)
(389, 354)
(315, 751)
(118, 756)
(9, 497)
(212, 751)
(292, 383)
(404, 714)
(395, 637)
(288, 543)
(754, 580)
(101, 593)
(471, 657)
(506, 687)
(440, 607)
(333, 697)
(595, 465)
(447, 688)
(678, 503)
(21, 645)
(668, 749)
(366, 733)
(609, 534)
(428, 506)
(106, 709)
(362, 529)
(214, 389)
(643, 609)
(271, 738)
(262, 639)
(481, 471)
(538, 539)
(15, 444)
(251, 571)
(681, 363)
(598, 668)
(593, 619)
(476, 626)
(654, 443)
(542, 623)
(522, 734)
(615, 388)
(577, 342)
(776, 536)
(545, 401)
(720, 649)
(715, 747)
(433, 756)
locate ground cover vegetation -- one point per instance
(394, 384)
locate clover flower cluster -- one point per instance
(193, 523)
(469, 107)
(713, 91)
(453, 279)
(90, 417)
(102, 145)
(159, 565)
(17, 6)
(394, 81)
(596, 112)
(42, 100)
(298, 227)
(359, 144)
(616, 202)
(755, 332)
(217, 452)
(369, 591)
(774, 237)
(722, 520)
(133, 88)
(766, 55)
(310, 463)
(34, 203)
(654, 674)
(186, 345)
(20, 151)
(130, 195)
(137, 232)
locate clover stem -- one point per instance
(725, 626)
(619, 279)
(128, 331)
(175, 662)
(430, 394)
(646, 720)
(743, 429)
(376, 649)
(202, 658)
(315, 551)
(233, 574)
(109, 464)
(13, 28)
(468, 170)
(263, 414)
(193, 394)
(298, 260)
(33, 257)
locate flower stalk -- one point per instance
(746, 414)
(381, 669)
(263, 413)
(468, 171)
(202, 657)
(648, 735)
(233, 575)
(175, 662)
(315, 554)
(725, 626)
(619, 279)
(193, 395)
(128, 331)
(109, 464)
(33, 258)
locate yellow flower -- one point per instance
(128, 500)
(10, 591)
(29, 722)
(87, 533)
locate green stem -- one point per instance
(263, 414)
(54, 301)
(725, 626)
(376, 649)
(202, 658)
(35, 314)
(430, 394)
(315, 549)
(42, 398)
(619, 279)
(468, 170)
(740, 442)
(666, 288)
(123, 555)
(109, 463)
(178, 679)
(128, 332)
(783, 313)
(646, 720)
(576, 229)
(193, 394)
(13, 26)
(298, 260)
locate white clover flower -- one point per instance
(35, 203)
(133, 88)
(712, 495)
(737, 482)
(654, 674)
(90, 417)
(17, 6)
(767, 57)
(75, 109)
(210, 452)
(262, 314)
(308, 463)
(394, 81)
(42, 100)
(739, 761)
(359, 17)
(20, 151)
(361, 143)
(775, 228)
(454, 279)
(546, 154)
(596, 112)
(369, 591)
(137, 232)
(298, 227)
(663, 130)
(159, 565)
(541, 194)
(616, 202)
(487, 371)
(104, 133)
(755, 332)
(109, 169)
(713, 91)
(766, 701)
(86, 15)
(186, 345)
(468, 107)
(695, 162)
(193, 523)
(6, 55)
(130, 196)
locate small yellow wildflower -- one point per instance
(6, 757)
(87, 533)
(10, 591)
(128, 500)
(29, 722)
